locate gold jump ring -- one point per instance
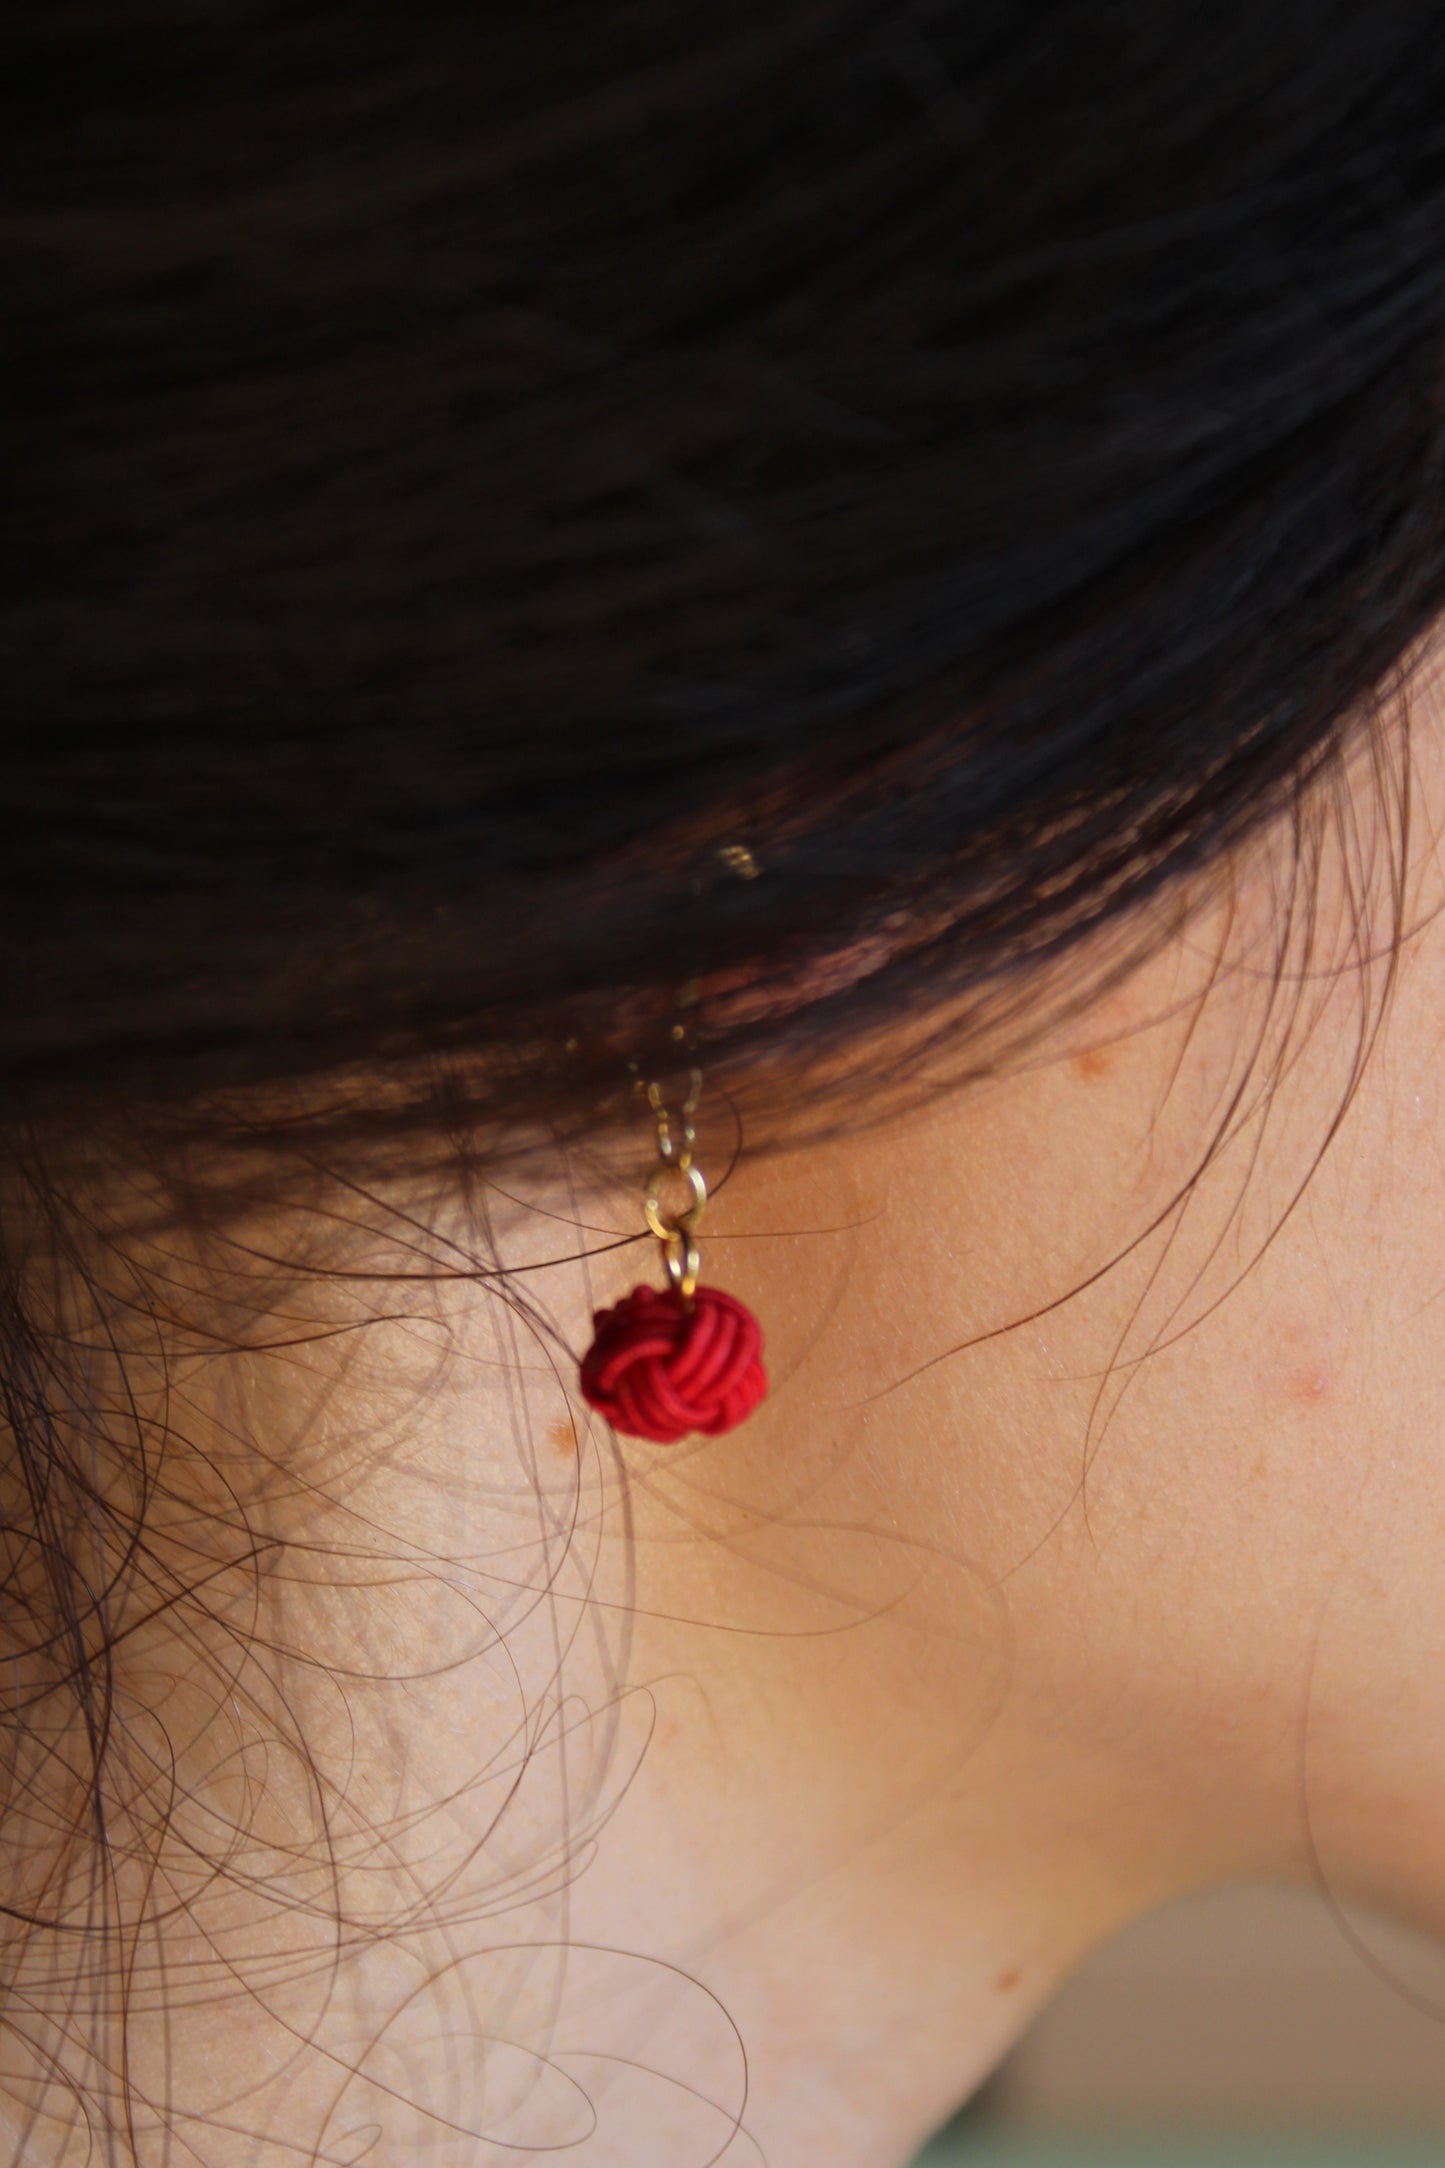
(686, 1223)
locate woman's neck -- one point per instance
(470, 1775)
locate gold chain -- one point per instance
(676, 1230)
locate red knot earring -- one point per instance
(683, 1358)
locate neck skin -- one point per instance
(779, 1778)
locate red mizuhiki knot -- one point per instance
(660, 1369)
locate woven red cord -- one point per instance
(660, 1369)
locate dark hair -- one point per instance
(521, 523)
(482, 482)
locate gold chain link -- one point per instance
(676, 1230)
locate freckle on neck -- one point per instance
(1305, 1376)
(1307, 1385)
(1092, 1063)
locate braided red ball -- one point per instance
(662, 1368)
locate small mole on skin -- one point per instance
(1307, 1385)
(1092, 1063)
(1007, 1980)
(1305, 1382)
(562, 1434)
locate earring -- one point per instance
(666, 1362)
